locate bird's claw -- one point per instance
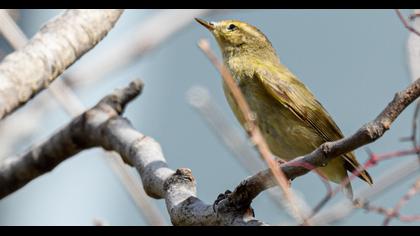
(220, 198)
(223, 196)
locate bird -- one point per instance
(292, 121)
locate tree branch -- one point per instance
(17, 171)
(58, 45)
(102, 126)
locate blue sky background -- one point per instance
(352, 60)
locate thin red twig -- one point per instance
(373, 160)
(404, 199)
(387, 212)
(405, 23)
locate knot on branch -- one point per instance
(386, 124)
(373, 130)
(182, 176)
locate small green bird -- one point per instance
(291, 120)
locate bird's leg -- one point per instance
(245, 211)
(236, 202)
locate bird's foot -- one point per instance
(220, 198)
(225, 196)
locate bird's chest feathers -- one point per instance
(255, 94)
(240, 68)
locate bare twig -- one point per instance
(405, 23)
(413, 46)
(58, 45)
(387, 212)
(392, 177)
(404, 199)
(373, 160)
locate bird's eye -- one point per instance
(232, 27)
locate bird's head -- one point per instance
(236, 37)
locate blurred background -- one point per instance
(352, 60)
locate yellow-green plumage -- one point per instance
(291, 120)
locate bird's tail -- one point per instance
(352, 165)
(348, 191)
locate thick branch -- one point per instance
(17, 171)
(254, 185)
(26, 72)
(102, 126)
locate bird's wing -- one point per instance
(293, 94)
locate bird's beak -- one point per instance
(208, 25)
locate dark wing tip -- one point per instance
(363, 174)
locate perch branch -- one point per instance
(102, 126)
